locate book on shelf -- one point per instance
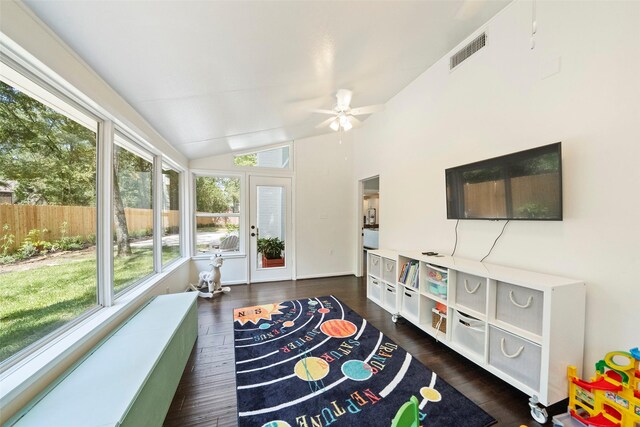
(409, 273)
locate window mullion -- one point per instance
(104, 234)
(157, 194)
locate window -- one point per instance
(170, 214)
(132, 215)
(272, 158)
(217, 213)
(48, 266)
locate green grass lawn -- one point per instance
(38, 301)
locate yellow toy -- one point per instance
(612, 397)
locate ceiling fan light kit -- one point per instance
(343, 114)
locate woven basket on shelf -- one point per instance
(435, 319)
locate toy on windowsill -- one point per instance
(211, 280)
(610, 399)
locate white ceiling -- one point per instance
(220, 76)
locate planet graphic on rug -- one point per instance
(356, 370)
(277, 423)
(288, 324)
(323, 310)
(430, 394)
(311, 369)
(338, 328)
(264, 326)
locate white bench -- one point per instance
(129, 378)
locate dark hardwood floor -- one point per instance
(206, 395)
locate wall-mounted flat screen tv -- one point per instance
(526, 185)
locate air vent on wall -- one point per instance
(464, 53)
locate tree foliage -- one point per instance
(51, 157)
(217, 194)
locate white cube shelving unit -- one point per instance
(522, 326)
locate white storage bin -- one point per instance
(471, 292)
(520, 307)
(374, 289)
(375, 265)
(469, 333)
(410, 304)
(390, 298)
(515, 356)
(389, 270)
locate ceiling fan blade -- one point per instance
(343, 97)
(355, 122)
(326, 122)
(369, 109)
(333, 113)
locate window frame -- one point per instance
(33, 362)
(263, 169)
(195, 173)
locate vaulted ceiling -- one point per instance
(220, 76)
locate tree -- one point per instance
(51, 157)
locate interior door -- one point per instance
(270, 228)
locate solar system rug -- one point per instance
(314, 363)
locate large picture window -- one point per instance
(48, 267)
(132, 215)
(217, 213)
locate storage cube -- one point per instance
(471, 292)
(520, 307)
(410, 304)
(389, 298)
(389, 270)
(374, 266)
(374, 289)
(469, 333)
(515, 356)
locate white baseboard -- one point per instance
(318, 276)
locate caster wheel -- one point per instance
(394, 318)
(540, 415)
(537, 413)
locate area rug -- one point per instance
(314, 362)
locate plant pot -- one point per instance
(268, 263)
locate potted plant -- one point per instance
(271, 249)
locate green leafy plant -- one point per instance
(33, 244)
(271, 247)
(7, 240)
(68, 243)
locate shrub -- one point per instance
(7, 240)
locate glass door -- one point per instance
(270, 228)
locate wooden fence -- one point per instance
(486, 199)
(80, 221)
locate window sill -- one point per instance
(35, 367)
(225, 255)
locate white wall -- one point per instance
(325, 203)
(324, 206)
(502, 100)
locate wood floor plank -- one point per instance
(206, 395)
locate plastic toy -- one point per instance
(211, 280)
(407, 415)
(611, 398)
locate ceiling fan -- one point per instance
(343, 116)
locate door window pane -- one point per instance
(133, 218)
(48, 269)
(271, 221)
(217, 213)
(170, 214)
